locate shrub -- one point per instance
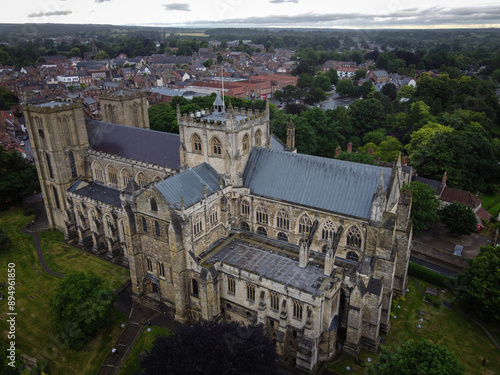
(429, 276)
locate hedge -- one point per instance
(430, 276)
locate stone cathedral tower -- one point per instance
(125, 108)
(222, 138)
(59, 140)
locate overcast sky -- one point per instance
(258, 13)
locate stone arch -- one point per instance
(304, 223)
(157, 179)
(215, 146)
(245, 143)
(97, 171)
(196, 144)
(214, 213)
(111, 175)
(354, 236)
(282, 220)
(153, 205)
(328, 230)
(261, 215)
(125, 177)
(108, 225)
(141, 180)
(258, 138)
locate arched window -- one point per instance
(231, 285)
(98, 172)
(194, 287)
(144, 225)
(150, 264)
(282, 237)
(275, 301)
(354, 236)
(56, 197)
(245, 142)
(197, 224)
(214, 214)
(328, 231)
(72, 164)
(245, 208)
(351, 255)
(250, 292)
(49, 166)
(153, 205)
(161, 269)
(262, 231)
(197, 144)
(305, 224)
(112, 177)
(216, 146)
(297, 310)
(258, 137)
(141, 180)
(157, 229)
(282, 220)
(245, 226)
(126, 176)
(261, 215)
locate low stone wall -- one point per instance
(439, 257)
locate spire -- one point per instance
(219, 104)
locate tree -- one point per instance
(229, 348)
(345, 87)
(389, 90)
(80, 307)
(479, 285)
(103, 55)
(18, 177)
(368, 115)
(163, 117)
(425, 358)
(7, 99)
(424, 205)
(459, 219)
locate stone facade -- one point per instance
(202, 241)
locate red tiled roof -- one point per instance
(483, 214)
(460, 196)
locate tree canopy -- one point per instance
(211, 348)
(459, 219)
(424, 205)
(80, 307)
(479, 285)
(424, 358)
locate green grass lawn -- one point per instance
(144, 342)
(34, 328)
(440, 325)
(491, 203)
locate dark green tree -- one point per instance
(479, 285)
(389, 90)
(345, 87)
(163, 117)
(459, 219)
(368, 115)
(424, 205)
(18, 177)
(7, 99)
(424, 358)
(212, 349)
(80, 307)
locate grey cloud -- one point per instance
(283, 1)
(101, 1)
(177, 6)
(50, 14)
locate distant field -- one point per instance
(192, 34)
(34, 328)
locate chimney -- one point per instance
(370, 152)
(349, 147)
(404, 161)
(337, 151)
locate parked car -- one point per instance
(458, 250)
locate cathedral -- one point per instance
(223, 222)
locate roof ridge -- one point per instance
(205, 183)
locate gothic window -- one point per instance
(157, 229)
(262, 231)
(305, 224)
(261, 215)
(144, 225)
(275, 301)
(135, 114)
(112, 177)
(231, 285)
(250, 292)
(197, 144)
(245, 142)
(214, 214)
(245, 208)
(282, 237)
(98, 172)
(157, 179)
(351, 255)
(153, 205)
(161, 269)
(328, 232)
(141, 180)
(56, 197)
(197, 224)
(150, 264)
(282, 220)
(297, 310)
(72, 164)
(258, 137)
(194, 287)
(66, 131)
(245, 226)
(216, 146)
(354, 236)
(126, 176)
(49, 166)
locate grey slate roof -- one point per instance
(436, 186)
(189, 185)
(329, 184)
(98, 192)
(145, 145)
(276, 144)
